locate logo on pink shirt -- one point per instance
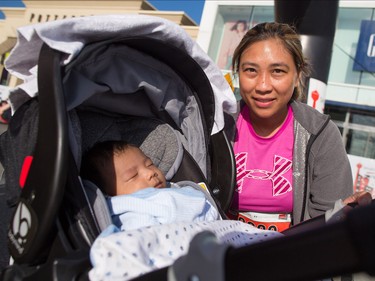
(281, 165)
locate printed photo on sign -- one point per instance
(233, 33)
(363, 171)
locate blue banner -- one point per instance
(365, 55)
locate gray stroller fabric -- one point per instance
(123, 81)
(22, 133)
(71, 35)
(99, 206)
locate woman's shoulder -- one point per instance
(304, 108)
(309, 118)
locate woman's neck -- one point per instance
(268, 127)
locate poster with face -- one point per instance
(232, 35)
(363, 171)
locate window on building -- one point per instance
(345, 43)
(231, 24)
(356, 120)
(357, 126)
(361, 143)
(346, 84)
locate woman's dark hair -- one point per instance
(288, 36)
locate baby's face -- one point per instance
(135, 171)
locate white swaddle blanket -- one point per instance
(128, 254)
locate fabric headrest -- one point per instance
(156, 139)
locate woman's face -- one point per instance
(267, 78)
(241, 27)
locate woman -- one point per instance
(291, 162)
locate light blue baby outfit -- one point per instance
(155, 206)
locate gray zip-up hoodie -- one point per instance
(321, 168)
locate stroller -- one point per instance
(137, 78)
(142, 79)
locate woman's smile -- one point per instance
(263, 102)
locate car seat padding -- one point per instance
(99, 205)
(156, 139)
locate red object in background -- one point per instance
(357, 178)
(315, 97)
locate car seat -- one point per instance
(53, 223)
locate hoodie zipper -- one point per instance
(308, 148)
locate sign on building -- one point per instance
(363, 171)
(365, 55)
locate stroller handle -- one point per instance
(32, 226)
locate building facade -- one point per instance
(36, 11)
(350, 91)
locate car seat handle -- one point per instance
(32, 226)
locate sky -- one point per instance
(193, 8)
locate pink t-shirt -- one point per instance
(264, 167)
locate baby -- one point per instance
(136, 190)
